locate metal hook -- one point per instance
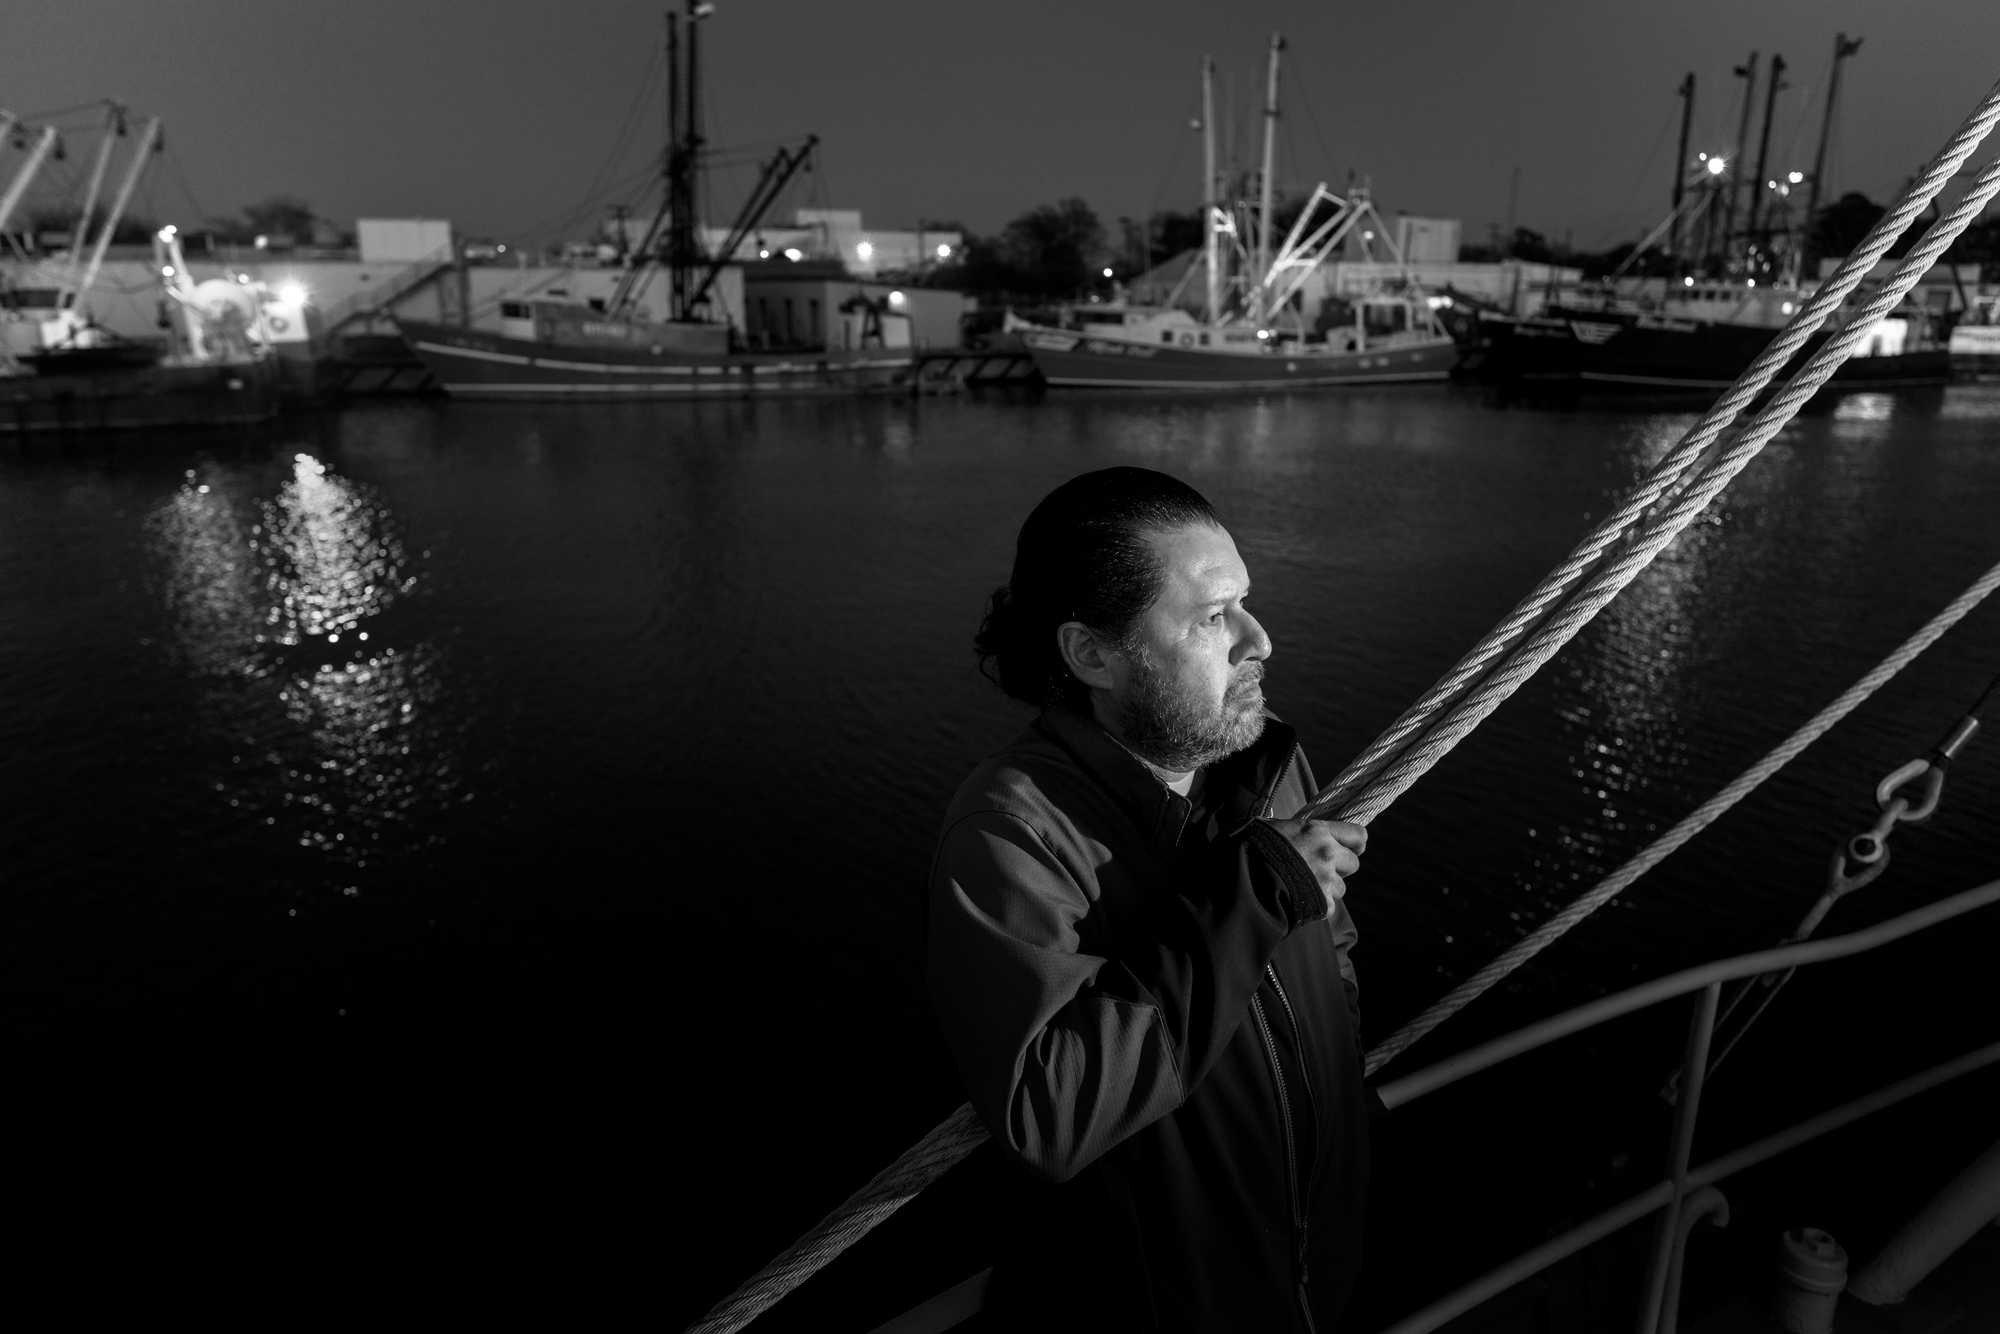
(1933, 776)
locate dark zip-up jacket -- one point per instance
(1148, 1003)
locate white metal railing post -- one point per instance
(1668, 1237)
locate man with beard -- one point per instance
(1138, 953)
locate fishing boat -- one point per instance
(61, 371)
(1697, 329)
(1974, 344)
(617, 349)
(1251, 332)
(1694, 336)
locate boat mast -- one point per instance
(1680, 167)
(1210, 200)
(1257, 310)
(1748, 73)
(670, 158)
(683, 248)
(677, 211)
(1764, 146)
(1842, 49)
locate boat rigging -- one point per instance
(619, 347)
(673, 239)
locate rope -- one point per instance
(1388, 766)
(1396, 758)
(1699, 819)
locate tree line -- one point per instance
(1836, 229)
(281, 220)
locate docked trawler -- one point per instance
(1699, 328)
(1696, 336)
(231, 347)
(547, 348)
(1253, 336)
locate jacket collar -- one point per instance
(1235, 789)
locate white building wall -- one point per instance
(127, 296)
(1427, 240)
(401, 240)
(828, 234)
(1514, 285)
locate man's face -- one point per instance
(1187, 691)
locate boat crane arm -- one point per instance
(777, 172)
(37, 155)
(1690, 209)
(141, 155)
(114, 128)
(1297, 259)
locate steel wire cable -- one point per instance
(1690, 825)
(1382, 772)
(1363, 773)
(1610, 580)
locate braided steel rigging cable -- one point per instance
(1481, 680)
(1678, 487)
(1696, 821)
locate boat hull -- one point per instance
(478, 364)
(140, 397)
(1975, 351)
(1609, 353)
(1068, 360)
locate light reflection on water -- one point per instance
(1864, 407)
(331, 556)
(333, 730)
(1723, 643)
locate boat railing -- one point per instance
(1688, 1191)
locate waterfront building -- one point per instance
(837, 235)
(418, 269)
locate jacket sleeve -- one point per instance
(1065, 1053)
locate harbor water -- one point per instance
(487, 843)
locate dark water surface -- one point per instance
(488, 842)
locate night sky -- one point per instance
(506, 115)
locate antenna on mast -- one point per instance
(1264, 188)
(1757, 186)
(1680, 166)
(1748, 73)
(1843, 47)
(1210, 195)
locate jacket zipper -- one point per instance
(1270, 797)
(1285, 1118)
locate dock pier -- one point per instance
(950, 370)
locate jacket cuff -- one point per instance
(1304, 900)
